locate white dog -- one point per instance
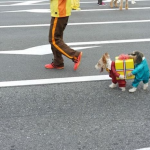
(106, 63)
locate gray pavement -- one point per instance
(72, 116)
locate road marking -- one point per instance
(111, 42)
(46, 49)
(72, 24)
(54, 81)
(48, 10)
(40, 50)
(22, 3)
(28, 3)
(80, 2)
(148, 148)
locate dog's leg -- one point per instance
(123, 88)
(145, 86)
(115, 2)
(126, 5)
(111, 3)
(121, 4)
(112, 85)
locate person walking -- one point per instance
(60, 12)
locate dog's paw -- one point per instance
(113, 85)
(123, 89)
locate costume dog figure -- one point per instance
(141, 71)
(121, 4)
(106, 63)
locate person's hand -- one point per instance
(129, 74)
(121, 77)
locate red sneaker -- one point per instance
(77, 61)
(52, 66)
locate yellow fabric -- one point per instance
(75, 4)
(129, 64)
(60, 8)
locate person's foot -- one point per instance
(52, 66)
(76, 9)
(103, 4)
(77, 61)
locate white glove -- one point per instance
(121, 77)
(129, 74)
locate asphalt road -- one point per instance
(78, 115)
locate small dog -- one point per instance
(106, 63)
(141, 71)
(121, 4)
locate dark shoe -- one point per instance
(103, 4)
(77, 61)
(52, 66)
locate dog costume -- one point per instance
(113, 74)
(141, 71)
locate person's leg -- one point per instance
(58, 59)
(58, 25)
(100, 2)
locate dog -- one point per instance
(121, 4)
(105, 62)
(141, 71)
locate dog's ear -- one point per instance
(138, 53)
(104, 59)
(138, 59)
(107, 55)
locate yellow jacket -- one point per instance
(60, 8)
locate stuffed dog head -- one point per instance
(102, 63)
(136, 56)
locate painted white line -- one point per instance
(109, 9)
(54, 81)
(27, 3)
(80, 2)
(82, 10)
(85, 23)
(111, 41)
(40, 50)
(22, 3)
(148, 148)
(45, 49)
(25, 26)
(29, 10)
